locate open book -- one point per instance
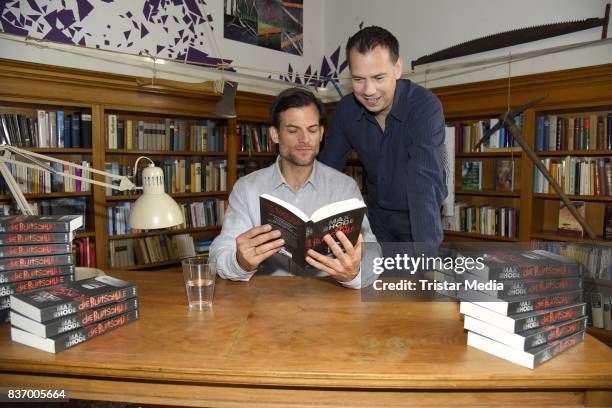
(301, 232)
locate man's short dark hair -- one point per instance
(368, 38)
(295, 98)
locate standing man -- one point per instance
(245, 247)
(397, 129)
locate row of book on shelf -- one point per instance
(592, 132)
(502, 180)
(189, 175)
(203, 135)
(47, 129)
(39, 295)
(207, 213)
(485, 220)
(154, 249)
(34, 181)
(576, 175)
(253, 137)
(466, 136)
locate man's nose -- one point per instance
(369, 88)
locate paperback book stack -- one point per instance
(57, 318)
(535, 314)
(35, 252)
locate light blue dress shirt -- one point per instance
(324, 186)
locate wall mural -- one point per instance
(273, 24)
(173, 29)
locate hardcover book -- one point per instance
(302, 233)
(29, 285)
(46, 261)
(62, 300)
(67, 323)
(527, 264)
(35, 273)
(12, 251)
(529, 303)
(471, 175)
(72, 338)
(27, 238)
(531, 358)
(568, 225)
(521, 341)
(504, 175)
(40, 223)
(607, 227)
(524, 321)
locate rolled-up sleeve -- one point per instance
(235, 222)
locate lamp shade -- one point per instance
(154, 209)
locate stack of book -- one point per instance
(57, 318)
(532, 312)
(35, 252)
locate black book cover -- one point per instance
(76, 130)
(67, 131)
(28, 238)
(513, 288)
(35, 273)
(33, 284)
(302, 233)
(44, 261)
(62, 300)
(72, 338)
(40, 223)
(13, 251)
(74, 321)
(5, 316)
(5, 302)
(526, 264)
(86, 130)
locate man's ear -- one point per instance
(274, 134)
(398, 68)
(322, 133)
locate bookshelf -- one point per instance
(27, 88)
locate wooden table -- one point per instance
(298, 341)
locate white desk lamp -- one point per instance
(153, 209)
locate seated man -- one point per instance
(244, 246)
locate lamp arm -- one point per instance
(5, 157)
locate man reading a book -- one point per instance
(245, 247)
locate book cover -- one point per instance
(525, 340)
(33, 284)
(607, 226)
(28, 238)
(522, 304)
(504, 175)
(568, 225)
(523, 321)
(72, 338)
(526, 264)
(40, 223)
(302, 233)
(73, 321)
(12, 251)
(5, 302)
(471, 175)
(45, 261)
(531, 358)
(35, 273)
(62, 300)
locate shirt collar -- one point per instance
(396, 111)
(278, 179)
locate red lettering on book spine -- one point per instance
(553, 301)
(94, 301)
(545, 286)
(38, 283)
(562, 331)
(554, 317)
(97, 315)
(564, 345)
(29, 238)
(29, 262)
(29, 226)
(35, 273)
(31, 250)
(103, 327)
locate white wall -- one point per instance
(422, 27)
(426, 26)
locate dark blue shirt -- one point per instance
(404, 163)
